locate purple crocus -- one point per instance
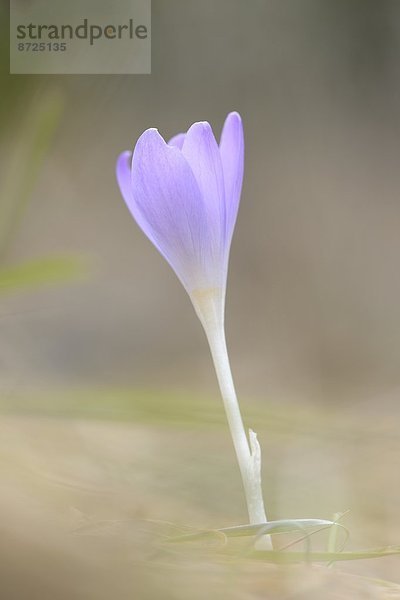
(185, 196)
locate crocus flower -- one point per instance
(185, 196)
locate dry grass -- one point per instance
(85, 502)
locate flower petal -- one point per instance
(202, 153)
(123, 172)
(232, 155)
(167, 203)
(177, 140)
(124, 178)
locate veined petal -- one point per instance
(177, 140)
(167, 204)
(202, 153)
(232, 155)
(124, 178)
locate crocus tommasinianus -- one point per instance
(185, 196)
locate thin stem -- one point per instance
(248, 458)
(248, 451)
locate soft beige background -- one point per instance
(313, 300)
(313, 309)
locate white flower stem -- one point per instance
(248, 451)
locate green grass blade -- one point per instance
(27, 155)
(271, 528)
(295, 557)
(39, 272)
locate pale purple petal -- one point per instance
(177, 140)
(202, 153)
(167, 203)
(232, 155)
(123, 171)
(185, 196)
(124, 178)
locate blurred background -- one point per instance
(109, 403)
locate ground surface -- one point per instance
(87, 497)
